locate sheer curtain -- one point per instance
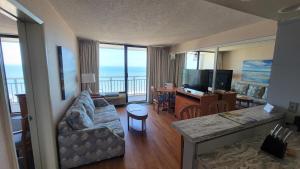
(89, 62)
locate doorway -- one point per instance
(19, 117)
(123, 68)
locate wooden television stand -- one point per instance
(185, 97)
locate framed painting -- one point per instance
(258, 71)
(67, 72)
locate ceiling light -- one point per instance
(289, 9)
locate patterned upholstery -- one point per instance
(256, 91)
(241, 88)
(265, 96)
(100, 102)
(77, 117)
(85, 99)
(102, 140)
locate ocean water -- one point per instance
(119, 71)
(112, 79)
(15, 71)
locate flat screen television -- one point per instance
(202, 79)
(223, 79)
(196, 79)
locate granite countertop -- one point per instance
(208, 127)
(247, 155)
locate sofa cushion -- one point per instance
(241, 88)
(100, 102)
(265, 96)
(256, 91)
(115, 126)
(105, 109)
(77, 117)
(85, 99)
(105, 114)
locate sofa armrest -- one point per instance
(100, 102)
(92, 144)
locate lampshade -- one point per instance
(88, 78)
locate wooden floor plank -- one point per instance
(158, 148)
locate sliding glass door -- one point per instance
(122, 68)
(137, 76)
(111, 68)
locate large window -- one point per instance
(200, 60)
(13, 70)
(191, 60)
(112, 68)
(123, 69)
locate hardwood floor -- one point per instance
(158, 148)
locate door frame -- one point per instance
(24, 19)
(5, 109)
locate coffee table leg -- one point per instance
(127, 122)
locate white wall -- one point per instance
(7, 26)
(248, 32)
(233, 59)
(285, 77)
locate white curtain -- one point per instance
(179, 66)
(89, 62)
(159, 67)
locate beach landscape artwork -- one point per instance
(258, 71)
(67, 72)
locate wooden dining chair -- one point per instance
(22, 137)
(23, 142)
(158, 99)
(218, 107)
(188, 112)
(205, 101)
(230, 98)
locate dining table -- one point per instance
(169, 91)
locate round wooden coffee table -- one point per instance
(137, 112)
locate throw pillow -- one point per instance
(77, 117)
(241, 88)
(256, 91)
(265, 96)
(90, 107)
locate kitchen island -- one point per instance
(205, 134)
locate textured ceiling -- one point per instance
(149, 22)
(264, 8)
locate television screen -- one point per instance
(195, 79)
(202, 79)
(223, 79)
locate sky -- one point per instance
(136, 58)
(11, 53)
(115, 57)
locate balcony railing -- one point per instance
(15, 86)
(137, 85)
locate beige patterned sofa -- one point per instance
(258, 92)
(90, 131)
